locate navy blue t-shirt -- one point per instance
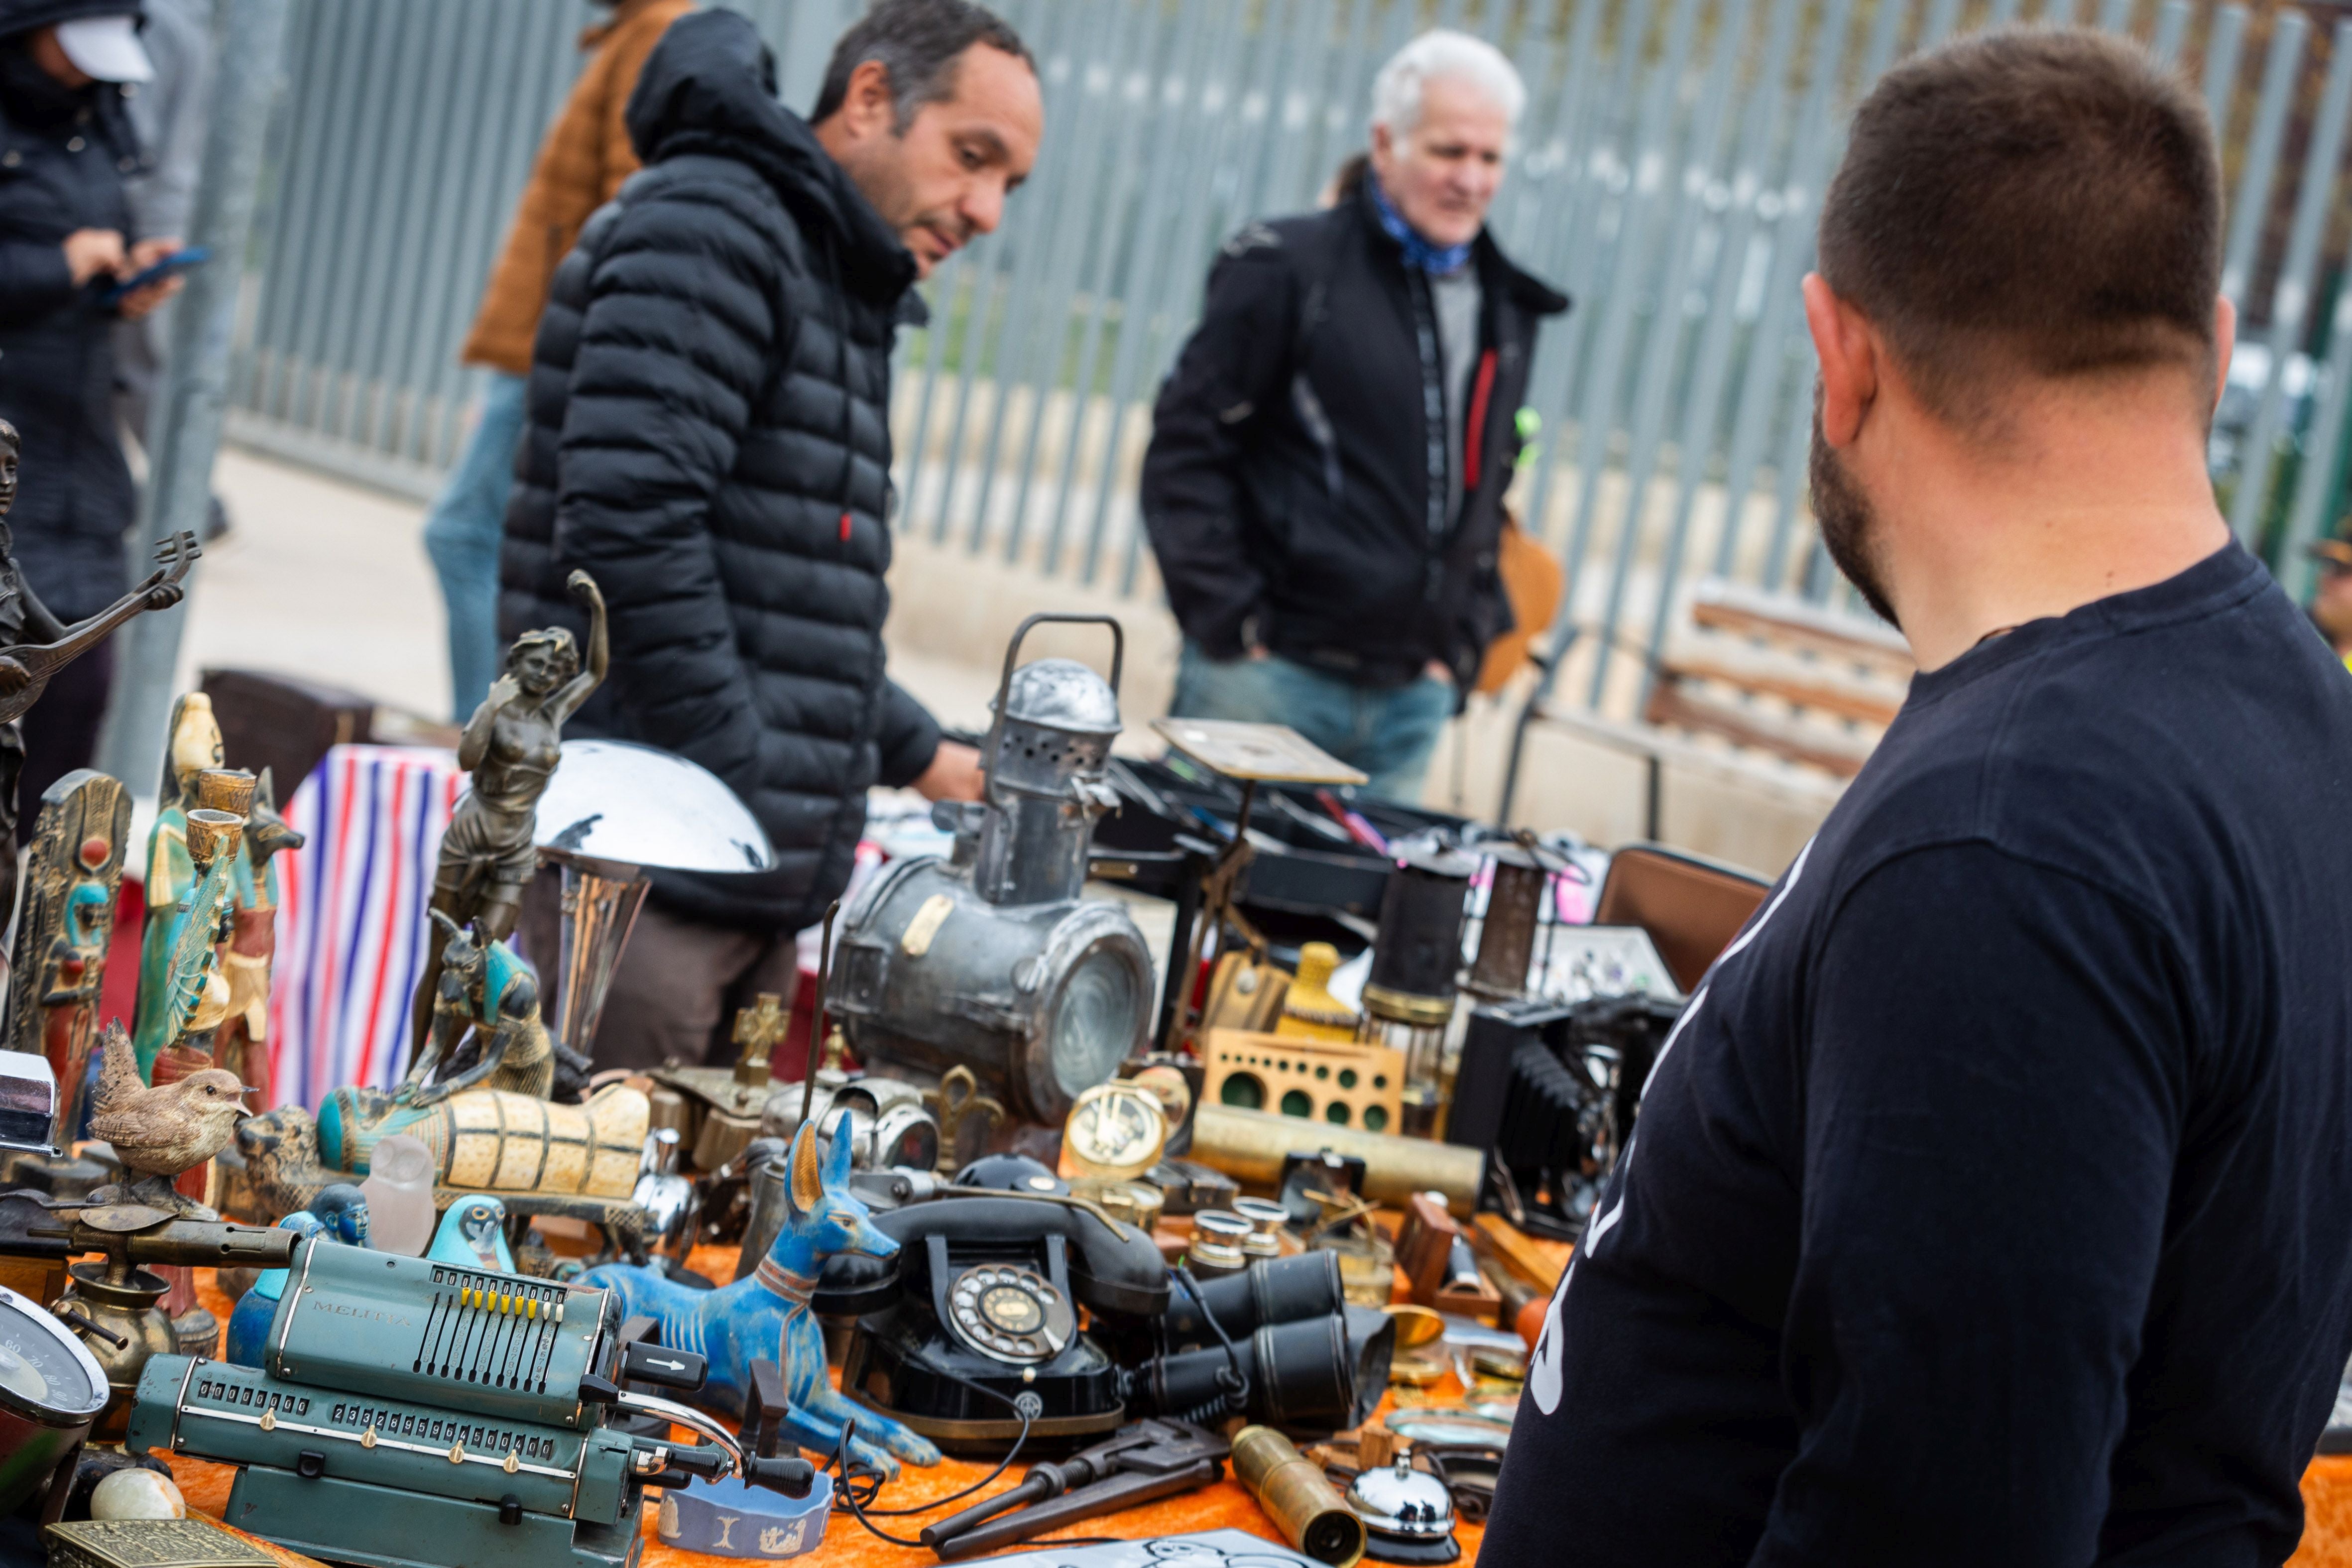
(1991, 1201)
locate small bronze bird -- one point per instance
(163, 1131)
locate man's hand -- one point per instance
(13, 677)
(1438, 669)
(954, 774)
(143, 255)
(90, 251)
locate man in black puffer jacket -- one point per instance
(708, 436)
(1324, 489)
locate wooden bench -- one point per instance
(1759, 688)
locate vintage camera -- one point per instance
(1552, 1089)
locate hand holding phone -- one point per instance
(172, 266)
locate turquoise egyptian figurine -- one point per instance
(473, 1235)
(248, 1325)
(769, 1309)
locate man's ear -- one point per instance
(867, 107)
(2225, 338)
(1848, 353)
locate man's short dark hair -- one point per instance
(2045, 201)
(920, 43)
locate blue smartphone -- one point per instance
(179, 261)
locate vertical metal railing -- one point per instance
(1667, 174)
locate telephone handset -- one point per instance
(976, 1324)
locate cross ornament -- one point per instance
(759, 1029)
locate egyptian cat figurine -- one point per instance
(766, 1314)
(486, 990)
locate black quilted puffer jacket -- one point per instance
(708, 436)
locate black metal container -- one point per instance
(1419, 951)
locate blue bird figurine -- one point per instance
(248, 1325)
(473, 1235)
(769, 1309)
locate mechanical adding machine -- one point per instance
(409, 1413)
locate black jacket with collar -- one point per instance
(1286, 487)
(707, 435)
(64, 155)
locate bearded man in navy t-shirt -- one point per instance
(1991, 1201)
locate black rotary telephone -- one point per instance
(971, 1333)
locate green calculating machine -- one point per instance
(410, 1414)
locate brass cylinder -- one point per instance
(211, 835)
(1249, 1146)
(667, 1107)
(1290, 1487)
(1404, 1007)
(225, 789)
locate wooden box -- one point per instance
(1356, 1086)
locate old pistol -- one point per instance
(1139, 1463)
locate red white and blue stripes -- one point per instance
(351, 925)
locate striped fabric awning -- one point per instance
(351, 921)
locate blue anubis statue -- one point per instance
(766, 1314)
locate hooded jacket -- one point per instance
(1288, 486)
(579, 167)
(707, 435)
(65, 153)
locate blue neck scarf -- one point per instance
(1434, 260)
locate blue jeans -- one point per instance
(462, 534)
(1389, 733)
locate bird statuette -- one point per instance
(164, 1131)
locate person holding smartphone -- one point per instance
(67, 239)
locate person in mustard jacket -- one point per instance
(582, 163)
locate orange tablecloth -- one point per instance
(2326, 1496)
(1219, 1507)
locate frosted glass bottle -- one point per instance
(399, 1189)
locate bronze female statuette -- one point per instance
(511, 746)
(26, 667)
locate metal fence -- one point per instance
(1666, 174)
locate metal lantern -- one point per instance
(991, 959)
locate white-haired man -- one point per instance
(1325, 485)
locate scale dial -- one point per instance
(45, 1373)
(1116, 1129)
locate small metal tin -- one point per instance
(1493, 1360)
